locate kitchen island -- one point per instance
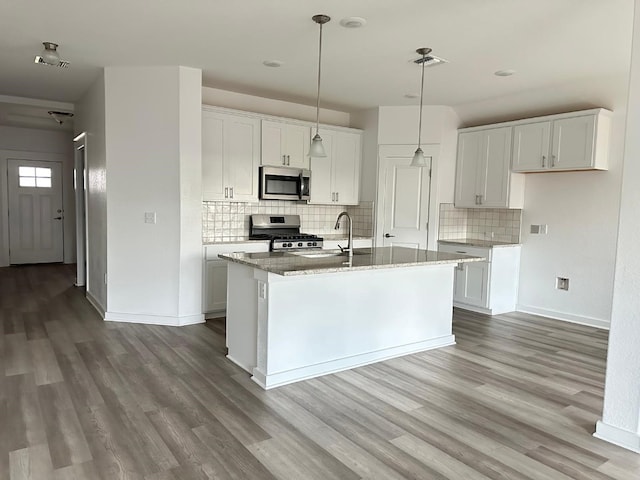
(298, 315)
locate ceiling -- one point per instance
(548, 43)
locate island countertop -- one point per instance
(331, 261)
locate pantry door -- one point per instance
(403, 197)
(35, 211)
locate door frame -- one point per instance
(404, 151)
(5, 155)
(80, 195)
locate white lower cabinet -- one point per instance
(489, 286)
(215, 274)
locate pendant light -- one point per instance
(317, 149)
(418, 157)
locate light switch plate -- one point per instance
(562, 283)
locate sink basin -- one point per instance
(329, 253)
(318, 254)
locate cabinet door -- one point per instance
(346, 167)
(468, 162)
(493, 176)
(272, 144)
(213, 179)
(216, 286)
(573, 143)
(321, 174)
(531, 147)
(472, 284)
(242, 158)
(296, 145)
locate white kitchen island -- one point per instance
(292, 317)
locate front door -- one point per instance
(35, 211)
(405, 198)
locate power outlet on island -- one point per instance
(562, 283)
(150, 217)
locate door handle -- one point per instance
(57, 218)
(388, 235)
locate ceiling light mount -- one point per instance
(60, 117)
(353, 22)
(50, 56)
(418, 157)
(317, 149)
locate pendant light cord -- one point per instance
(319, 71)
(424, 56)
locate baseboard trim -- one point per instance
(268, 381)
(567, 317)
(618, 436)
(95, 304)
(472, 308)
(154, 319)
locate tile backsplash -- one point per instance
(500, 224)
(228, 221)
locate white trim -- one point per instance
(95, 303)
(173, 321)
(618, 436)
(545, 118)
(36, 102)
(473, 308)
(304, 373)
(567, 317)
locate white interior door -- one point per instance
(35, 211)
(405, 200)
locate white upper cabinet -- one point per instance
(335, 179)
(573, 141)
(483, 177)
(230, 157)
(285, 145)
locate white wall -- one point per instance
(153, 122)
(621, 415)
(581, 211)
(90, 118)
(36, 144)
(269, 106)
(399, 126)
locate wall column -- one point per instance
(620, 422)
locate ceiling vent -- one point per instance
(60, 117)
(60, 64)
(430, 61)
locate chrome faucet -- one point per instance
(349, 248)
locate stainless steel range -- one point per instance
(283, 231)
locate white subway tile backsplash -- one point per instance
(227, 221)
(499, 224)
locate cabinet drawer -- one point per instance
(484, 252)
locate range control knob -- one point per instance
(309, 244)
(299, 244)
(315, 244)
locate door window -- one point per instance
(38, 177)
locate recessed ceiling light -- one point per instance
(272, 63)
(504, 73)
(353, 22)
(411, 95)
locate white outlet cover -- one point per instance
(150, 217)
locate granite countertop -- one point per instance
(331, 261)
(245, 239)
(476, 242)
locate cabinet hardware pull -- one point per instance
(337, 196)
(476, 199)
(544, 159)
(226, 192)
(553, 161)
(231, 191)
(284, 159)
(461, 251)
(480, 199)
(288, 160)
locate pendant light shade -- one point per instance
(50, 54)
(418, 157)
(317, 149)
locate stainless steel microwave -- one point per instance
(281, 183)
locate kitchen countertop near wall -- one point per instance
(493, 225)
(245, 239)
(476, 242)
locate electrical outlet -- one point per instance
(562, 283)
(543, 229)
(262, 289)
(150, 217)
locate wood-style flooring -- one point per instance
(516, 398)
